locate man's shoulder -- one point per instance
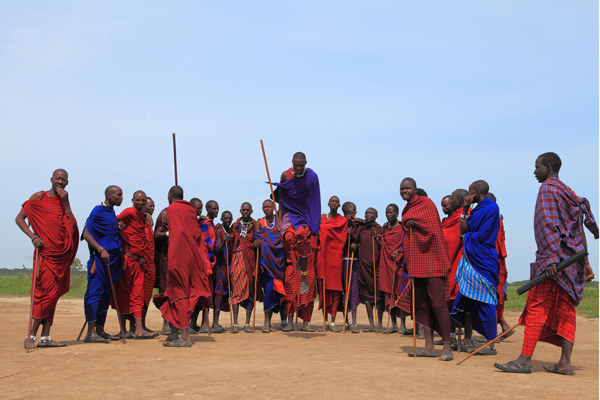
(37, 195)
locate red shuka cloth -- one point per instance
(501, 249)
(451, 231)
(129, 288)
(246, 246)
(549, 316)
(150, 275)
(425, 249)
(294, 301)
(390, 268)
(61, 239)
(333, 233)
(366, 283)
(187, 278)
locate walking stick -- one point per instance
(229, 289)
(81, 331)
(412, 282)
(34, 273)
(347, 293)
(255, 289)
(175, 158)
(324, 302)
(270, 185)
(387, 330)
(487, 344)
(375, 314)
(112, 287)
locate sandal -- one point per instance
(288, 328)
(446, 356)
(235, 329)
(50, 343)
(266, 329)
(308, 328)
(31, 343)
(105, 335)
(486, 351)
(354, 328)
(422, 353)
(218, 329)
(509, 334)
(514, 367)
(402, 330)
(335, 328)
(178, 343)
(368, 329)
(554, 369)
(166, 331)
(247, 329)
(95, 339)
(143, 335)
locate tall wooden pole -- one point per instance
(228, 287)
(387, 330)
(175, 159)
(112, 287)
(348, 292)
(255, 290)
(270, 185)
(412, 281)
(375, 314)
(34, 273)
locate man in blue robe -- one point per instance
(101, 232)
(478, 270)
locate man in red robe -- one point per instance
(150, 271)
(332, 237)
(390, 264)
(368, 267)
(451, 231)
(428, 265)
(161, 258)
(549, 314)
(55, 236)
(503, 276)
(187, 277)
(129, 289)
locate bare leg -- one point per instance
(468, 329)
(429, 341)
(565, 355)
(369, 308)
(236, 310)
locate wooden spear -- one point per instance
(387, 330)
(348, 292)
(375, 316)
(270, 185)
(36, 261)
(175, 158)
(255, 289)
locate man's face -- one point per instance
(446, 207)
(455, 201)
(139, 201)
(246, 211)
(298, 166)
(212, 210)
(198, 206)
(391, 214)
(267, 208)
(227, 219)
(334, 203)
(149, 207)
(59, 179)
(541, 171)
(475, 193)
(116, 196)
(370, 215)
(407, 189)
(351, 211)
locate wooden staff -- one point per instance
(375, 316)
(487, 344)
(387, 330)
(324, 302)
(270, 185)
(112, 287)
(228, 287)
(34, 273)
(255, 289)
(347, 293)
(175, 158)
(81, 331)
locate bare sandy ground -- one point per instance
(275, 365)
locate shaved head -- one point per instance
(139, 192)
(481, 185)
(176, 192)
(109, 190)
(211, 204)
(411, 180)
(299, 156)
(64, 171)
(491, 196)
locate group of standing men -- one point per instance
(453, 268)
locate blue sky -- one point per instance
(444, 92)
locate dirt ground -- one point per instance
(275, 365)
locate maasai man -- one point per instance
(150, 272)
(502, 276)
(549, 314)
(452, 236)
(209, 234)
(427, 263)
(299, 197)
(161, 258)
(477, 274)
(446, 207)
(187, 278)
(365, 240)
(129, 290)
(243, 265)
(330, 264)
(204, 303)
(350, 272)
(267, 238)
(55, 235)
(392, 279)
(101, 232)
(222, 251)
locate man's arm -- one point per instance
(87, 236)
(161, 232)
(20, 220)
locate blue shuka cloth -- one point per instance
(478, 270)
(102, 225)
(272, 265)
(301, 198)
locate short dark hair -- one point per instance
(411, 180)
(299, 156)
(395, 207)
(421, 192)
(346, 205)
(176, 192)
(551, 159)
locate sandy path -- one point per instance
(282, 365)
